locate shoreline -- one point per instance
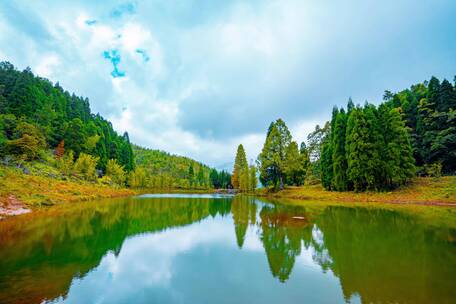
(421, 191)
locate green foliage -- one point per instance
(85, 167)
(65, 163)
(433, 170)
(220, 180)
(137, 178)
(240, 176)
(166, 171)
(315, 145)
(53, 115)
(115, 172)
(326, 166)
(428, 109)
(294, 165)
(272, 158)
(339, 161)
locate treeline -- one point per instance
(36, 115)
(162, 170)
(369, 147)
(429, 111)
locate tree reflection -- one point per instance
(387, 257)
(283, 230)
(243, 210)
(41, 253)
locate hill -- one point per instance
(166, 170)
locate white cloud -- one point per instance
(221, 79)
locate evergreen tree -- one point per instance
(240, 168)
(326, 166)
(397, 152)
(357, 149)
(339, 161)
(293, 165)
(273, 155)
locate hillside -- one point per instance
(166, 170)
(37, 115)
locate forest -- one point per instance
(369, 147)
(40, 122)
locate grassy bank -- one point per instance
(426, 191)
(35, 191)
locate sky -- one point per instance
(197, 78)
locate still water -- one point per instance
(218, 249)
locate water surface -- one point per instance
(205, 249)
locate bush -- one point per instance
(115, 172)
(85, 167)
(433, 170)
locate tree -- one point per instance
(293, 165)
(326, 166)
(272, 157)
(305, 160)
(75, 136)
(357, 149)
(253, 180)
(240, 166)
(66, 163)
(85, 167)
(339, 161)
(397, 152)
(27, 141)
(115, 172)
(315, 144)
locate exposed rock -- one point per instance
(13, 206)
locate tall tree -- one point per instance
(240, 166)
(273, 155)
(339, 161)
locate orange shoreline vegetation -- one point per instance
(422, 191)
(21, 193)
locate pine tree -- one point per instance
(397, 151)
(326, 166)
(293, 165)
(339, 161)
(357, 146)
(305, 161)
(240, 166)
(253, 180)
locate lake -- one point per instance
(220, 249)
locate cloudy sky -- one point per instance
(198, 77)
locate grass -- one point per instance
(38, 191)
(423, 190)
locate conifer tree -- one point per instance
(240, 166)
(293, 166)
(339, 161)
(397, 151)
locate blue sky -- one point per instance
(199, 77)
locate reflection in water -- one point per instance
(185, 250)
